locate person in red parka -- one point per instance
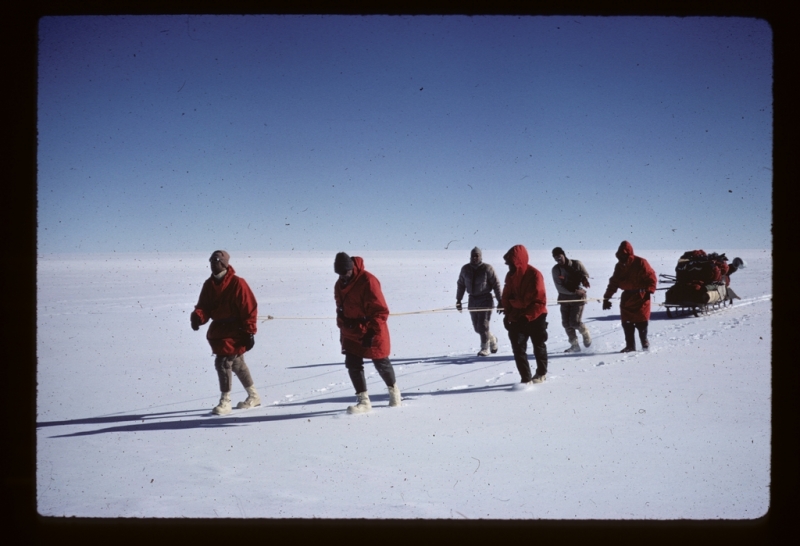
(637, 280)
(228, 302)
(361, 315)
(525, 306)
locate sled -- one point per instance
(701, 284)
(715, 297)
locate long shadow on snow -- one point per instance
(120, 418)
(209, 422)
(379, 399)
(233, 420)
(463, 359)
(654, 315)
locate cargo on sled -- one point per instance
(701, 283)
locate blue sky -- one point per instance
(170, 133)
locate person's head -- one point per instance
(476, 256)
(219, 261)
(343, 266)
(625, 253)
(516, 258)
(559, 255)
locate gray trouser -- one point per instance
(480, 319)
(355, 368)
(571, 319)
(226, 365)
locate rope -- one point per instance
(424, 312)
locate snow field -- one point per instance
(125, 388)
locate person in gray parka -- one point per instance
(568, 276)
(479, 280)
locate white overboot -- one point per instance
(394, 396)
(252, 400)
(492, 343)
(573, 346)
(224, 406)
(587, 339)
(363, 405)
(484, 349)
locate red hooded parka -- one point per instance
(637, 280)
(524, 297)
(361, 308)
(233, 310)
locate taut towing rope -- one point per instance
(424, 312)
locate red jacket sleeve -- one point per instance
(248, 307)
(375, 308)
(649, 277)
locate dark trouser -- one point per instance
(518, 334)
(480, 319)
(355, 367)
(571, 319)
(629, 327)
(233, 363)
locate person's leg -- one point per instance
(642, 327)
(519, 345)
(480, 321)
(223, 366)
(355, 368)
(385, 370)
(241, 370)
(539, 337)
(239, 367)
(630, 342)
(581, 327)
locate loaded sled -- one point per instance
(701, 283)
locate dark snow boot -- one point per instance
(630, 341)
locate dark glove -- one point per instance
(644, 294)
(250, 342)
(585, 282)
(458, 306)
(500, 310)
(580, 293)
(195, 321)
(606, 305)
(366, 341)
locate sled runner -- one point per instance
(701, 283)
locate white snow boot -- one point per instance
(484, 349)
(538, 378)
(252, 400)
(587, 339)
(492, 343)
(394, 396)
(363, 405)
(224, 406)
(573, 346)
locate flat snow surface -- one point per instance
(125, 388)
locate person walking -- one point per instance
(568, 276)
(479, 280)
(227, 301)
(524, 303)
(638, 281)
(361, 315)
